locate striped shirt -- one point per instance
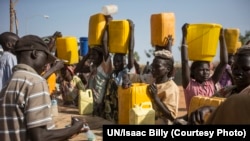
(24, 103)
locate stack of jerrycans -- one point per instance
(127, 98)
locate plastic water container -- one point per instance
(54, 107)
(85, 102)
(109, 9)
(231, 38)
(67, 49)
(97, 24)
(200, 101)
(239, 44)
(142, 114)
(84, 48)
(202, 41)
(89, 134)
(162, 25)
(118, 36)
(127, 98)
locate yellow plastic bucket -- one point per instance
(202, 41)
(231, 38)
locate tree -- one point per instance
(245, 38)
(149, 53)
(136, 56)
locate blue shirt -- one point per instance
(7, 62)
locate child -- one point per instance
(98, 63)
(241, 82)
(196, 80)
(115, 80)
(71, 85)
(8, 59)
(164, 92)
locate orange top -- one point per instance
(52, 83)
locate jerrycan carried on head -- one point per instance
(231, 39)
(67, 49)
(202, 41)
(162, 25)
(119, 36)
(97, 23)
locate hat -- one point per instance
(33, 42)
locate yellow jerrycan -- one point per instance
(127, 98)
(142, 114)
(85, 102)
(200, 101)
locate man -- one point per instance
(25, 101)
(8, 59)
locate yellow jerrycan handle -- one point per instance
(89, 92)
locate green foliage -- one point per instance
(245, 38)
(149, 53)
(136, 56)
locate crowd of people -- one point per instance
(27, 64)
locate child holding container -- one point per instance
(196, 80)
(99, 66)
(70, 86)
(115, 79)
(163, 91)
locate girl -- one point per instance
(70, 86)
(164, 92)
(116, 78)
(197, 80)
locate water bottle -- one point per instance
(89, 134)
(54, 108)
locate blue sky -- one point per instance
(71, 17)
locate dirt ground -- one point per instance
(95, 123)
